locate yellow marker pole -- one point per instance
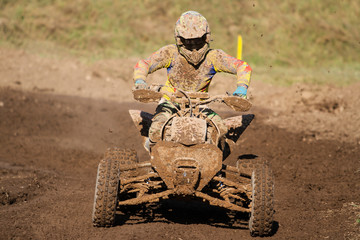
(239, 47)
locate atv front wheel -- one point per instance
(106, 193)
(262, 205)
(247, 166)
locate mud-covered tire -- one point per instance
(262, 208)
(106, 193)
(124, 156)
(114, 165)
(248, 165)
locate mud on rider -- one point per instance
(191, 65)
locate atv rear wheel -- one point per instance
(262, 205)
(106, 193)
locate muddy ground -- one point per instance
(58, 118)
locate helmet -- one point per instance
(192, 35)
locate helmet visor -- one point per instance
(193, 43)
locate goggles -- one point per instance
(193, 43)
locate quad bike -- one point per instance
(188, 161)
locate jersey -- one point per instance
(190, 78)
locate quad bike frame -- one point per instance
(187, 162)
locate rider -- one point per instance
(191, 65)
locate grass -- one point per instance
(356, 208)
(306, 39)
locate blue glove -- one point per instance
(140, 84)
(240, 91)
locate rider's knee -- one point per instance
(157, 123)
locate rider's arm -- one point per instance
(157, 60)
(223, 62)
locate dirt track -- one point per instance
(51, 145)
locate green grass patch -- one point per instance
(321, 35)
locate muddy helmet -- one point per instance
(192, 35)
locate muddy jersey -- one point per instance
(191, 78)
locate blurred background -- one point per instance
(313, 41)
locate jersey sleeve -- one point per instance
(159, 59)
(223, 62)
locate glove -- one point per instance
(140, 84)
(240, 91)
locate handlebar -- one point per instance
(193, 99)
